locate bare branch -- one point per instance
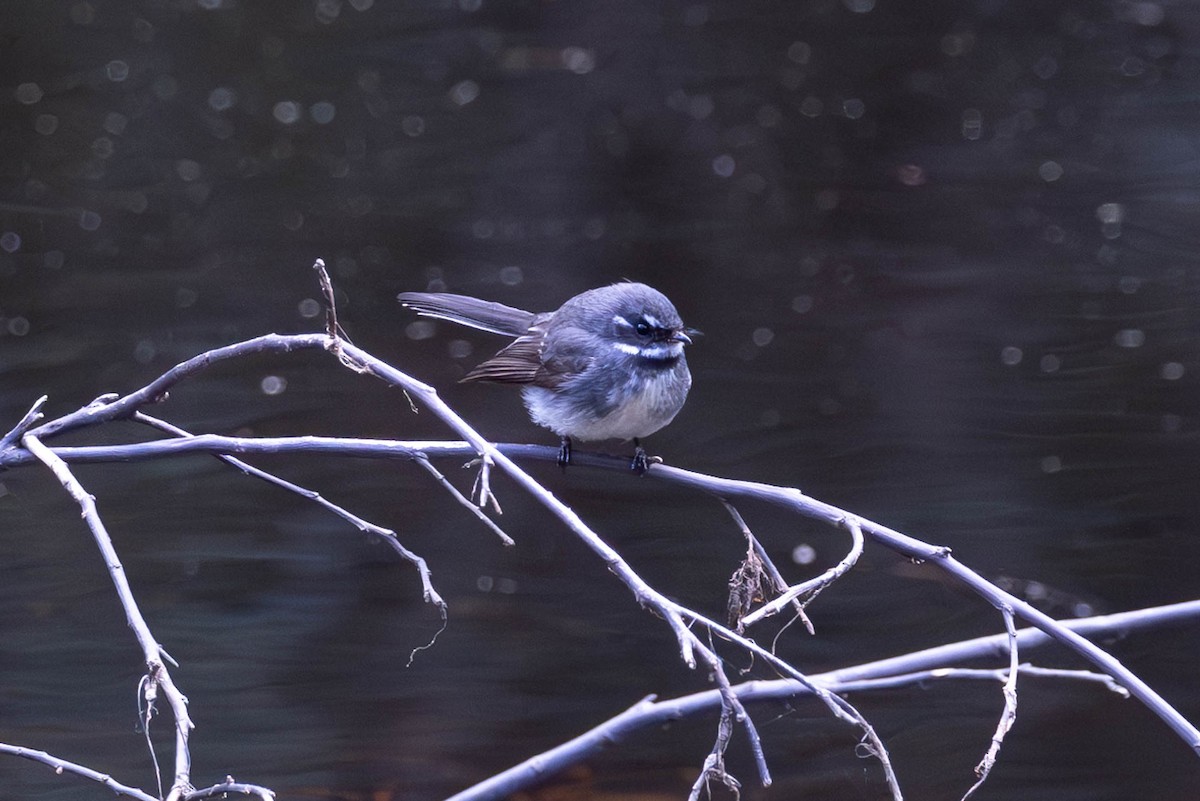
(156, 672)
(840, 707)
(483, 485)
(731, 711)
(156, 391)
(940, 558)
(886, 674)
(721, 487)
(64, 766)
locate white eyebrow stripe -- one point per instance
(654, 323)
(621, 321)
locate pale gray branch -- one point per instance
(156, 671)
(64, 766)
(907, 670)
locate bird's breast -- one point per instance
(637, 404)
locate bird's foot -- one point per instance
(564, 453)
(641, 462)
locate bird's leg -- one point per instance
(564, 453)
(640, 463)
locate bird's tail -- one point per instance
(472, 312)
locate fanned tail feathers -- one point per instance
(485, 315)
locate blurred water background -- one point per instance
(944, 257)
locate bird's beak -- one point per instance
(684, 335)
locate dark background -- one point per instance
(943, 254)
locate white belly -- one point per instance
(648, 409)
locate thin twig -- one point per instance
(776, 577)
(731, 710)
(146, 710)
(157, 390)
(1009, 716)
(483, 484)
(385, 534)
(463, 500)
(740, 595)
(1075, 675)
(333, 329)
(813, 587)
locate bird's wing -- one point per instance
(568, 352)
(534, 359)
(473, 312)
(519, 363)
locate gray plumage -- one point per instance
(608, 364)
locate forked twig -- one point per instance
(483, 485)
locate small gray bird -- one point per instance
(608, 364)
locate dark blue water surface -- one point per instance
(944, 258)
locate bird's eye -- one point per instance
(642, 327)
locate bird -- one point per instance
(607, 364)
